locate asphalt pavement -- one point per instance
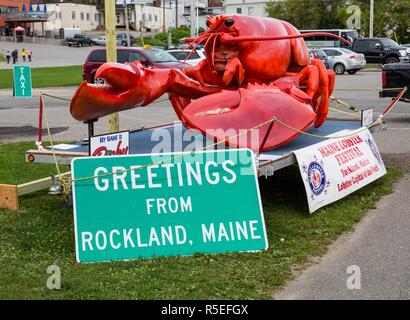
(46, 55)
(377, 252)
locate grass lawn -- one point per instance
(371, 66)
(41, 234)
(46, 77)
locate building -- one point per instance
(70, 15)
(178, 12)
(203, 9)
(17, 13)
(144, 16)
(249, 7)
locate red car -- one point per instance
(152, 58)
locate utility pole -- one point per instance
(127, 27)
(371, 30)
(192, 16)
(111, 49)
(163, 16)
(176, 13)
(197, 18)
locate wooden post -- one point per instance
(9, 197)
(111, 47)
(9, 194)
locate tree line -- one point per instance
(391, 17)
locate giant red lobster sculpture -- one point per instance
(255, 69)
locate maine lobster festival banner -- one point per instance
(186, 203)
(335, 168)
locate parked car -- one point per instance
(194, 57)
(122, 39)
(342, 60)
(101, 41)
(321, 55)
(395, 75)
(381, 50)
(79, 40)
(149, 57)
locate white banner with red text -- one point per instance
(113, 144)
(335, 168)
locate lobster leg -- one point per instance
(235, 69)
(319, 84)
(203, 74)
(326, 85)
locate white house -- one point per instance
(179, 12)
(144, 17)
(249, 7)
(70, 15)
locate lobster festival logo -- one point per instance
(316, 177)
(374, 149)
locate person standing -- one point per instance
(29, 53)
(23, 54)
(15, 55)
(8, 56)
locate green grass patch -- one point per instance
(371, 66)
(41, 234)
(46, 77)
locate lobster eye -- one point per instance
(229, 22)
(208, 24)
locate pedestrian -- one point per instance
(23, 54)
(8, 56)
(15, 55)
(29, 53)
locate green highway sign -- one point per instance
(166, 205)
(22, 81)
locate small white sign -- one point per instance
(367, 117)
(335, 168)
(110, 144)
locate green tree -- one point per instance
(308, 14)
(391, 17)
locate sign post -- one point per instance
(207, 202)
(22, 87)
(111, 49)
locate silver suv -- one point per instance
(122, 39)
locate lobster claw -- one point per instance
(219, 116)
(124, 88)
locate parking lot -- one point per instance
(47, 55)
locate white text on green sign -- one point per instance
(181, 205)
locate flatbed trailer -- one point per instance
(142, 142)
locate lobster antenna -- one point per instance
(228, 38)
